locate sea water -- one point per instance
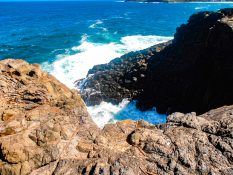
(69, 38)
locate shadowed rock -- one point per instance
(120, 79)
(193, 72)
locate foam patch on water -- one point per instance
(139, 42)
(97, 23)
(69, 68)
(108, 113)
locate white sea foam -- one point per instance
(200, 8)
(98, 25)
(97, 22)
(108, 113)
(105, 112)
(138, 42)
(69, 68)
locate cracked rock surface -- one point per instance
(41, 120)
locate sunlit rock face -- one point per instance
(41, 120)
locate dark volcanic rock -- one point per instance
(121, 78)
(193, 73)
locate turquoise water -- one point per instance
(68, 38)
(39, 31)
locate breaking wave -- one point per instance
(69, 68)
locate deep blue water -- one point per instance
(39, 31)
(68, 38)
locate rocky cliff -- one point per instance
(46, 130)
(193, 72)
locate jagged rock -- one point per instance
(50, 132)
(120, 79)
(193, 73)
(183, 145)
(39, 118)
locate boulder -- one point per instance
(186, 144)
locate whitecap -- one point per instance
(139, 42)
(69, 68)
(108, 113)
(97, 22)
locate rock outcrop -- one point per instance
(41, 120)
(120, 79)
(195, 72)
(45, 129)
(192, 73)
(186, 145)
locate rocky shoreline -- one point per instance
(120, 79)
(45, 129)
(193, 72)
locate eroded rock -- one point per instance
(39, 118)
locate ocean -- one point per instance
(69, 38)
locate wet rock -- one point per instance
(120, 79)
